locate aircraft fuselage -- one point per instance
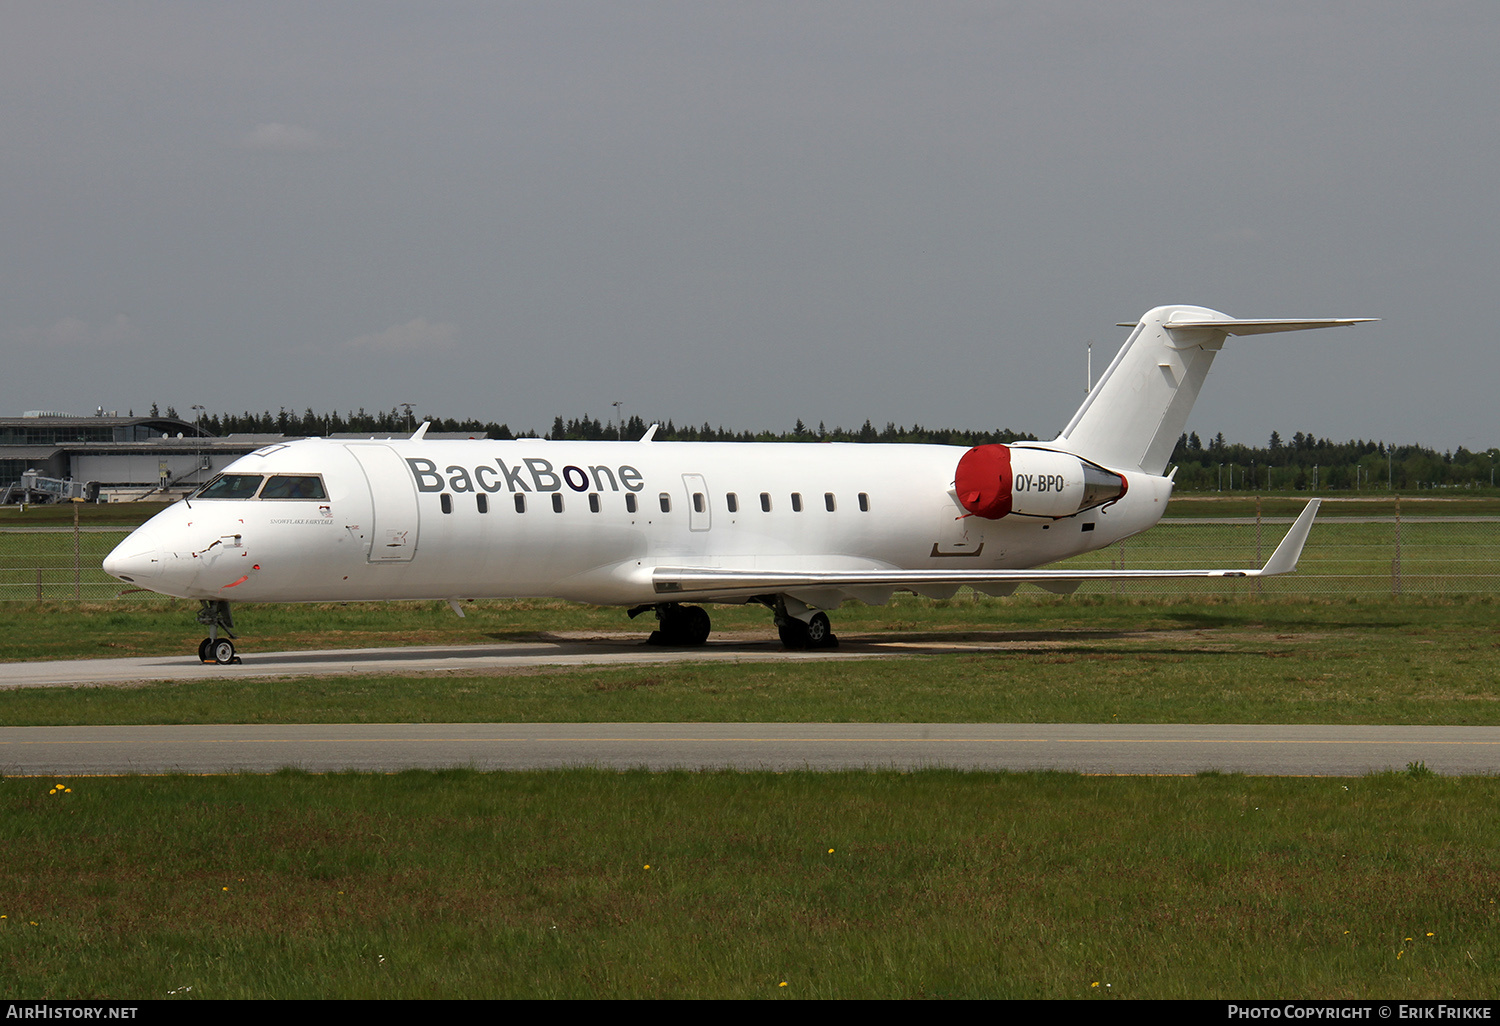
(420, 519)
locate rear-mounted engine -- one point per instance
(993, 481)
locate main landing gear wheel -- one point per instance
(223, 652)
(814, 632)
(205, 650)
(680, 626)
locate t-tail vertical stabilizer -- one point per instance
(1133, 417)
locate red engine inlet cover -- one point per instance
(983, 481)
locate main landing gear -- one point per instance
(679, 626)
(214, 649)
(814, 632)
(798, 625)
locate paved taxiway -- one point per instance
(1087, 748)
(427, 659)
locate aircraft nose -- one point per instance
(137, 559)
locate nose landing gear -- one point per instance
(214, 649)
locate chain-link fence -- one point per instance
(48, 564)
(1424, 555)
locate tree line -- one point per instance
(1301, 463)
(1306, 463)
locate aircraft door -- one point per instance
(698, 505)
(393, 535)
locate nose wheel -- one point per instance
(214, 649)
(219, 651)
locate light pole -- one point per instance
(198, 423)
(620, 418)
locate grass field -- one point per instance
(875, 885)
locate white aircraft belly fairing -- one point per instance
(649, 525)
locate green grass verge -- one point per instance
(874, 885)
(90, 514)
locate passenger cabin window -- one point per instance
(733, 502)
(630, 502)
(557, 504)
(593, 502)
(828, 503)
(287, 486)
(666, 503)
(698, 502)
(864, 502)
(796, 502)
(483, 502)
(446, 501)
(765, 502)
(520, 503)
(231, 486)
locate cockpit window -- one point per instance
(230, 486)
(288, 486)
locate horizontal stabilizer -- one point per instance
(1232, 326)
(1242, 327)
(706, 583)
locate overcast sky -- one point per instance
(746, 213)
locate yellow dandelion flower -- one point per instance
(646, 866)
(1094, 984)
(1399, 954)
(830, 851)
(1429, 933)
(781, 984)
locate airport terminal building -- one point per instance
(130, 458)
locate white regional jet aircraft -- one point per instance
(654, 525)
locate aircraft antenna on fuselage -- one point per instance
(650, 433)
(418, 434)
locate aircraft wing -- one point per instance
(699, 582)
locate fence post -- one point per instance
(1396, 561)
(39, 584)
(77, 564)
(1257, 539)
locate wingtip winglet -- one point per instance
(1284, 559)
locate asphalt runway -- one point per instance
(1109, 748)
